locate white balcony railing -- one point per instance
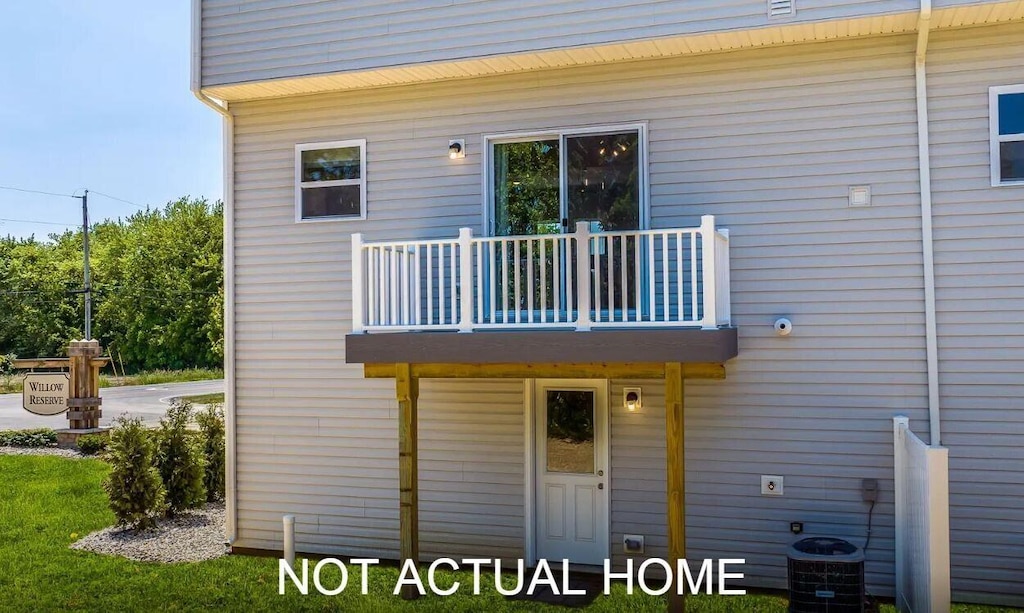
(634, 278)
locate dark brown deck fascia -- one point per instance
(544, 346)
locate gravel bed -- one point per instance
(188, 537)
(55, 451)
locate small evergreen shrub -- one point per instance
(133, 485)
(179, 458)
(37, 437)
(92, 444)
(211, 427)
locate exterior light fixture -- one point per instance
(631, 399)
(456, 149)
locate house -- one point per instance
(465, 239)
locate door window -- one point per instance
(570, 431)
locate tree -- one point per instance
(133, 486)
(157, 288)
(179, 460)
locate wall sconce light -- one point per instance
(631, 399)
(457, 149)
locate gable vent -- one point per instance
(780, 8)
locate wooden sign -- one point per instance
(46, 393)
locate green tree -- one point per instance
(158, 288)
(133, 485)
(179, 460)
(211, 425)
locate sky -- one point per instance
(95, 94)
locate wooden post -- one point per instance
(84, 401)
(675, 455)
(407, 389)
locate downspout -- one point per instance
(927, 247)
(230, 497)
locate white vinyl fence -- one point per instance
(922, 522)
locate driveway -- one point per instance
(146, 401)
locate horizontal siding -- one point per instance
(979, 266)
(248, 41)
(768, 141)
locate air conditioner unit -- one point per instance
(826, 575)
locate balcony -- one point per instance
(581, 281)
(670, 284)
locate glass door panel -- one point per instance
(527, 201)
(526, 188)
(603, 184)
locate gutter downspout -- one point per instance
(927, 247)
(230, 496)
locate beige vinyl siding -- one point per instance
(979, 265)
(248, 41)
(769, 141)
(471, 469)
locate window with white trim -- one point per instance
(330, 181)
(1006, 125)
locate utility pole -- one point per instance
(86, 287)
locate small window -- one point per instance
(1006, 122)
(330, 180)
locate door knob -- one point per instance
(600, 486)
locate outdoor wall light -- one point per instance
(631, 399)
(456, 149)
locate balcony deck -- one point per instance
(638, 296)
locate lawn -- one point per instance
(46, 503)
(12, 384)
(203, 398)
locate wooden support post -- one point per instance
(84, 400)
(407, 389)
(675, 454)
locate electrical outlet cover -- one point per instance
(771, 485)
(632, 543)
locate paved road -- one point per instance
(146, 401)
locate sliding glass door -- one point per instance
(545, 184)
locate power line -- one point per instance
(34, 191)
(135, 204)
(36, 221)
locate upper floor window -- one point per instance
(330, 181)
(1006, 125)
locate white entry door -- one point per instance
(572, 471)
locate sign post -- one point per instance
(46, 393)
(75, 392)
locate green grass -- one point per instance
(12, 384)
(46, 503)
(203, 398)
(155, 377)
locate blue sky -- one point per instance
(95, 94)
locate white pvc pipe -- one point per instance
(927, 246)
(289, 539)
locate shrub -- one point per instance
(38, 437)
(211, 425)
(133, 485)
(91, 444)
(179, 459)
